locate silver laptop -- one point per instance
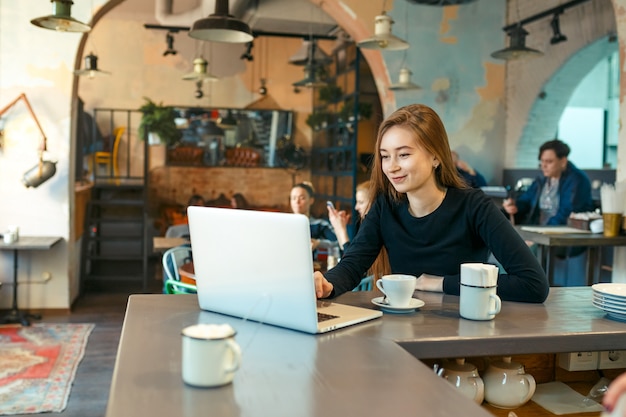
(258, 265)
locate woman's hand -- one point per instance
(339, 220)
(323, 288)
(431, 283)
(617, 388)
(314, 244)
(509, 206)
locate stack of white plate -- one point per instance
(611, 297)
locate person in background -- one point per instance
(616, 390)
(196, 200)
(301, 199)
(239, 201)
(560, 190)
(472, 177)
(428, 221)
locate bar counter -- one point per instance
(360, 370)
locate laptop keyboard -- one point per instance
(323, 317)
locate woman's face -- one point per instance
(300, 201)
(362, 200)
(407, 166)
(551, 165)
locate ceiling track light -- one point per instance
(557, 36)
(169, 41)
(404, 81)
(383, 38)
(91, 68)
(247, 55)
(221, 27)
(200, 73)
(517, 46)
(61, 19)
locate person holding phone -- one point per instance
(301, 199)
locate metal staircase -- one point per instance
(116, 238)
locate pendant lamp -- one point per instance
(301, 57)
(221, 27)
(517, 47)
(61, 19)
(404, 81)
(313, 77)
(91, 67)
(383, 38)
(200, 71)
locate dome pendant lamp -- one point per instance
(517, 47)
(91, 67)
(383, 39)
(61, 19)
(221, 27)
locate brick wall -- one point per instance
(262, 187)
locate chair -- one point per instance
(366, 284)
(173, 258)
(109, 159)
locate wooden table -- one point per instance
(161, 244)
(360, 370)
(24, 243)
(549, 241)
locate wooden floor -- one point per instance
(90, 392)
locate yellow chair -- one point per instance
(109, 159)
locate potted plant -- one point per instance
(158, 120)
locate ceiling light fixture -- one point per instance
(517, 46)
(169, 41)
(61, 19)
(404, 81)
(301, 56)
(200, 73)
(383, 38)
(247, 55)
(221, 27)
(557, 37)
(91, 67)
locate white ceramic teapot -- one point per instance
(464, 376)
(507, 385)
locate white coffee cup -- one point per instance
(8, 238)
(210, 355)
(479, 300)
(398, 288)
(15, 230)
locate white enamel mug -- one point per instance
(210, 355)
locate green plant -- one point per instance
(159, 119)
(316, 119)
(364, 110)
(330, 93)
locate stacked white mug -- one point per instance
(479, 300)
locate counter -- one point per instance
(360, 370)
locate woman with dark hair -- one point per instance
(301, 199)
(428, 221)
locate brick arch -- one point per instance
(546, 111)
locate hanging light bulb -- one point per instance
(404, 81)
(200, 71)
(517, 47)
(383, 38)
(61, 19)
(91, 67)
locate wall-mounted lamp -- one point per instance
(557, 36)
(404, 81)
(61, 19)
(44, 170)
(517, 46)
(91, 67)
(383, 38)
(221, 27)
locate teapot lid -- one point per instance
(506, 363)
(459, 365)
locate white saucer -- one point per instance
(413, 304)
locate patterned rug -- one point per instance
(38, 364)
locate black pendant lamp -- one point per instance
(91, 67)
(517, 47)
(61, 19)
(221, 27)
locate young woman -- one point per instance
(427, 221)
